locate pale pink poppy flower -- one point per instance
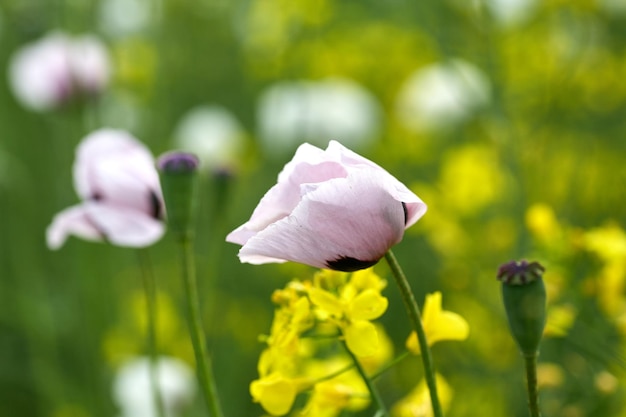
(330, 209)
(114, 175)
(46, 73)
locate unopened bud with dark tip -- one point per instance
(178, 173)
(524, 296)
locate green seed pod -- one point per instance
(524, 297)
(178, 173)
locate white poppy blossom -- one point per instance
(290, 113)
(213, 134)
(132, 388)
(125, 17)
(442, 95)
(115, 177)
(509, 13)
(330, 209)
(48, 72)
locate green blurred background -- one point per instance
(536, 170)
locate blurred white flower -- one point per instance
(290, 113)
(511, 12)
(614, 7)
(125, 17)
(213, 134)
(132, 389)
(49, 71)
(442, 95)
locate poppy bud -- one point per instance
(524, 296)
(177, 171)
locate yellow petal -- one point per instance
(412, 345)
(383, 355)
(301, 311)
(275, 393)
(438, 324)
(361, 338)
(367, 279)
(448, 326)
(432, 308)
(368, 305)
(326, 301)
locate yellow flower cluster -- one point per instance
(608, 243)
(559, 244)
(351, 305)
(303, 353)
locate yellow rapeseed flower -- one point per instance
(460, 174)
(346, 391)
(608, 242)
(275, 392)
(383, 354)
(438, 324)
(560, 319)
(289, 322)
(542, 223)
(351, 306)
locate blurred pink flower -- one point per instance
(51, 70)
(330, 209)
(114, 175)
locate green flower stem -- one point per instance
(149, 286)
(414, 314)
(203, 360)
(330, 376)
(381, 409)
(531, 384)
(391, 364)
(373, 377)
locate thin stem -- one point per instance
(381, 409)
(149, 286)
(203, 360)
(390, 365)
(414, 315)
(375, 376)
(531, 385)
(330, 376)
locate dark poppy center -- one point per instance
(406, 212)
(155, 206)
(349, 264)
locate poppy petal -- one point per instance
(125, 227)
(71, 221)
(344, 223)
(283, 197)
(414, 206)
(113, 166)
